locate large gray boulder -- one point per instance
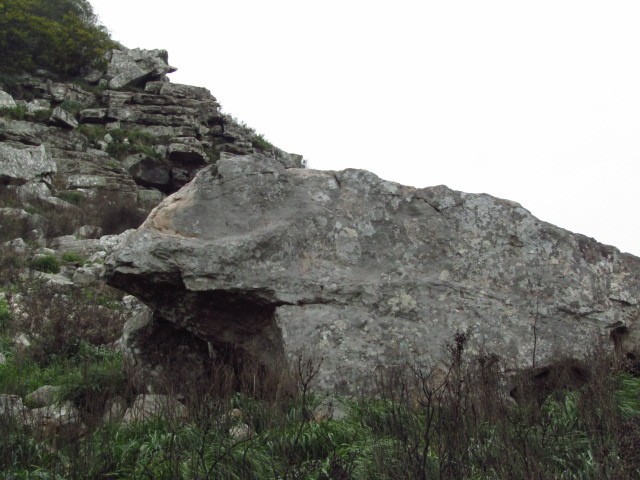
(6, 100)
(20, 164)
(269, 263)
(136, 66)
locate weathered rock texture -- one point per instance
(266, 262)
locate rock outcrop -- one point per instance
(119, 139)
(254, 260)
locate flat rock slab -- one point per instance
(273, 262)
(20, 164)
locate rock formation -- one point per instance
(256, 260)
(125, 136)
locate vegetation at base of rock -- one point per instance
(46, 264)
(62, 36)
(59, 324)
(416, 423)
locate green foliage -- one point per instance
(60, 35)
(41, 116)
(103, 296)
(73, 257)
(125, 141)
(92, 132)
(46, 263)
(628, 395)
(97, 374)
(71, 196)
(260, 142)
(18, 112)
(129, 142)
(72, 107)
(5, 315)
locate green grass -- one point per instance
(46, 264)
(289, 447)
(71, 196)
(15, 113)
(5, 315)
(73, 257)
(260, 142)
(20, 112)
(72, 107)
(584, 433)
(86, 379)
(628, 395)
(129, 142)
(125, 141)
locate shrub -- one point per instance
(98, 376)
(59, 324)
(14, 224)
(117, 216)
(46, 263)
(62, 36)
(111, 212)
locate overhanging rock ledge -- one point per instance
(254, 260)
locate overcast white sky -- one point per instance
(534, 101)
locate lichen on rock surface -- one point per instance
(274, 262)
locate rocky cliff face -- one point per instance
(254, 260)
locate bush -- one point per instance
(59, 324)
(62, 36)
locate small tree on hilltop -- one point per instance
(62, 36)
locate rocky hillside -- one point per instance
(111, 144)
(181, 299)
(262, 258)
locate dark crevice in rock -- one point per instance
(337, 179)
(232, 330)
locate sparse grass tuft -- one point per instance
(73, 257)
(258, 141)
